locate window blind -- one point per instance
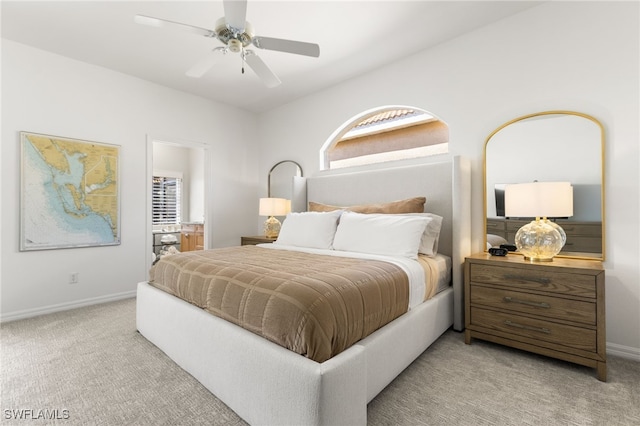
(166, 200)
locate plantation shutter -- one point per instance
(166, 200)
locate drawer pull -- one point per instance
(527, 327)
(526, 302)
(521, 278)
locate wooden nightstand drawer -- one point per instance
(535, 279)
(259, 239)
(536, 304)
(496, 226)
(583, 244)
(582, 229)
(514, 224)
(533, 328)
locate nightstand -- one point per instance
(251, 241)
(550, 308)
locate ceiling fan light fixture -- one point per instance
(234, 45)
(227, 34)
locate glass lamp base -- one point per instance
(540, 240)
(271, 227)
(563, 235)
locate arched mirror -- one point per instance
(549, 146)
(285, 181)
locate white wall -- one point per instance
(174, 161)
(580, 56)
(47, 93)
(189, 163)
(196, 186)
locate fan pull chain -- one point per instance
(242, 55)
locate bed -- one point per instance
(263, 382)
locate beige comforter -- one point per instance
(315, 305)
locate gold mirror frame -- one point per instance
(596, 256)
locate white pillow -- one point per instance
(386, 234)
(309, 229)
(431, 235)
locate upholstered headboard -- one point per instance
(446, 185)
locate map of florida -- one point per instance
(72, 189)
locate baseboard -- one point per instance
(28, 313)
(623, 351)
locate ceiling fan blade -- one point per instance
(290, 46)
(163, 23)
(262, 70)
(206, 63)
(235, 13)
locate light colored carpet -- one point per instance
(92, 363)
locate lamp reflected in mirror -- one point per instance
(541, 239)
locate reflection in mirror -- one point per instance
(285, 181)
(550, 146)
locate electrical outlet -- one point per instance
(74, 278)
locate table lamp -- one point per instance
(541, 239)
(273, 207)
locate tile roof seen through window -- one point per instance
(388, 116)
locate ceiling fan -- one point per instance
(236, 34)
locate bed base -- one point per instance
(267, 384)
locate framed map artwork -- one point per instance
(69, 193)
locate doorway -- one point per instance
(177, 194)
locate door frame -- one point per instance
(207, 159)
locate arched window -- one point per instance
(385, 134)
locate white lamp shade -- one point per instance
(539, 199)
(274, 206)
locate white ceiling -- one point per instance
(354, 37)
